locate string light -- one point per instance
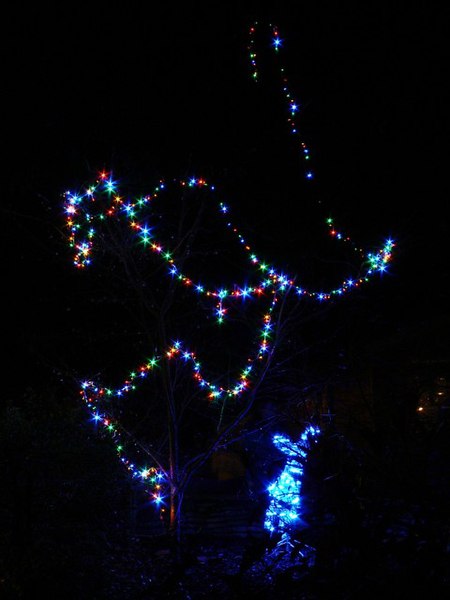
(88, 212)
(292, 107)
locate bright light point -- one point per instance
(309, 175)
(110, 185)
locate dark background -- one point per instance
(149, 92)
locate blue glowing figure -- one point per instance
(283, 513)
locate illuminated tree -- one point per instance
(160, 251)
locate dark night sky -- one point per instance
(151, 94)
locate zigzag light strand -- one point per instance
(82, 220)
(97, 398)
(88, 211)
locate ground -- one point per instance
(242, 569)
(210, 570)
